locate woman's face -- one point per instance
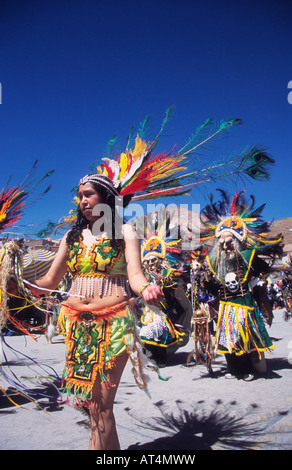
(89, 198)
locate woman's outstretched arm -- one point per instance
(57, 270)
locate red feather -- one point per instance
(233, 205)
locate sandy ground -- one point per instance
(190, 411)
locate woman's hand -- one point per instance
(152, 294)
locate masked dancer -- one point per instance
(241, 238)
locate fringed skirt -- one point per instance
(241, 328)
(94, 339)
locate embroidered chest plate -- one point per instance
(101, 261)
(98, 259)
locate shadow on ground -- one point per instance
(45, 396)
(200, 430)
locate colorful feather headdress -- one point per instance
(139, 174)
(240, 218)
(14, 200)
(161, 242)
(158, 240)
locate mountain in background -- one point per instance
(283, 226)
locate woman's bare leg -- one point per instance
(103, 435)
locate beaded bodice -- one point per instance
(102, 260)
(99, 259)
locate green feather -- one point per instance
(205, 133)
(257, 172)
(224, 125)
(259, 156)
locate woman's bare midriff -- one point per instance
(96, 302)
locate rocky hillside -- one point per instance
(284, 226)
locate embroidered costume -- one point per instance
(95, 338)
(240, 325)
(102, 262)
(165, 328)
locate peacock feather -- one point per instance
(144, 175)
(139, 173)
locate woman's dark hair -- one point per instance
(81, 223)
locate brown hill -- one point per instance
(283, 226)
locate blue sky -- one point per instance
(74, 73)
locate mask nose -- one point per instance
(226, 243)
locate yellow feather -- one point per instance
(166, 171)
(270, 242)
(139, 149)
(173, 243)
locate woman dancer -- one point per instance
(100, 325)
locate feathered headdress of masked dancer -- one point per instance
(13, 202)
(161, 254)
(241, 218)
